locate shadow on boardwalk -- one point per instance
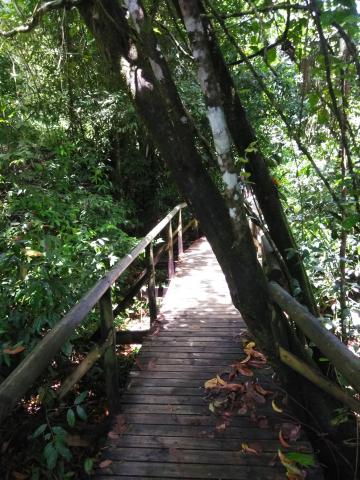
(165, 429)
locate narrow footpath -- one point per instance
(166, 429)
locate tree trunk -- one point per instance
(265, 191)
(136, 57)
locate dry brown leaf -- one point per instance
(242, 369)
(282, 441)
(291, 431)
(152, 364)
(105, 463)
(275, 407)
(138, 363)
(221, 426)
(120, 425)
(14, 350)
(262, 391)
(248, 450)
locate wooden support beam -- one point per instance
(151, 285)
(84, 366)
(180, 236)
(171, 265)
(110, 360)
(342, 358)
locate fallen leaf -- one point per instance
(214, 382)
(291, 431)
(105, 463)
(282, 441)
(245, 359)
(14, 351)
(252, 395)
(275, 407)
(262, 391)
(247, 449)
(220, 427)
(138, 363)
(152, 364)
(234, 387)
(242, 369)
(292, 471)
(120, 425)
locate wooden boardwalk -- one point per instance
(165, 429)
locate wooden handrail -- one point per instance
(26, 373)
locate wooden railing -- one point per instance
(27, 372)
(309, 327)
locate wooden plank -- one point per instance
(199, 457)
(172, 418)
(193, 471)
(203, 443)
(201, 431)
(207, 362)
(188, 368)
(190, 348)
(190, 355)
(163, 399)
(144, 390)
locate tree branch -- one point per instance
(271, 97)
(270, 8)
(33, 21)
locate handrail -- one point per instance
(26, 373)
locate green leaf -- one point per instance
(70, 417)
(304, 459)
(80, 398)
(39, 431)
(271, 55)
(63, 450)
(313, 100)
(351, 221)
(81, 412)
(59, 431)
(88, 465)
(322, 116)
(51, 455)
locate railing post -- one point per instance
(180, 236)
(151, 285)
(110, 362)
(196, 228)
(171, 266)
